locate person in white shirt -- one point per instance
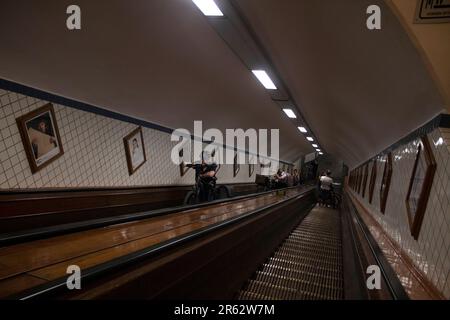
(280, 179)
(326, 183)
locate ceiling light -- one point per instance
(290, 113)
(208, 7)
(264, 79)
(302, 129)
(318, 150)
(315, 145)
(309, 139)
(321, 153)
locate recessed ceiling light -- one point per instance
(208, 7)
(290, 113)
(315, 145)
(264, 78)
(302, 129)
(309, 139)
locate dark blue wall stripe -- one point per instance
(43, 95)
(25, 90)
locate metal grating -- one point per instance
(306, 266)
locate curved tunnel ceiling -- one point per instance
(155, 60)
(161, 61)
(359, 90)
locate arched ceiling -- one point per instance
(161, 61)
(359, 90)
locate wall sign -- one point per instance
(432, 11)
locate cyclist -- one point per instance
(280, 179)
(205, 176)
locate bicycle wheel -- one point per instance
(190, 198)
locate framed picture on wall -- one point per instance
(385, 182)
(251, 169)
(420, 185)
(183, 167)
(359, 179)
(373, 178)
(236, 166)
(366, 174)
(40, 137)
(135, 150)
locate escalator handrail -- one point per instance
(396, 289)
(139, 255)
(45, 232)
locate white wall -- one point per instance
(94, 152)
(431, 251)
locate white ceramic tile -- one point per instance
(94, 152)
(430, 252)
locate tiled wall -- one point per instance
(431, 251)
(94, 152)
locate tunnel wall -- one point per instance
(94, 152)
(430, 253)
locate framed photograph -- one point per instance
(40, 137)
(135, 150)
(183, 168)
(420, 186)
(373, 178)
(251, 169)
(385, 182)
(366, 174)
(358, 172)
(236, 166)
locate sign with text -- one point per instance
(432, 11)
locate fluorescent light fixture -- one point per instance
(208, 7)
(318, 150)
(315, 145)
(309, 139)
(290, 113)
(302, 129)
(264, 78)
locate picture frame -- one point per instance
(365, 176)
(40, 137)
(135, 150)
(236, 166)
(420, 184)
(359, 180)
(251, 169)
(182, 166)
(373, 178)
(385, 182)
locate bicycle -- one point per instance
(213, 191)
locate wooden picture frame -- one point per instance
(420, 184)
(365, 175)
(40, 137)
(236, 166)
(385, 182)
(182, 166)
(373, 178)
(251, 169)
(359, 180)
(135, 150)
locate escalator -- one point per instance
(325, 257)
(308, 265)
(277, 245)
